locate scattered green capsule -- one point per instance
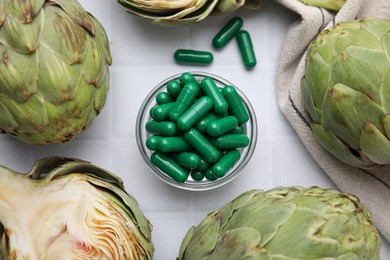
(185, 99)
(169, 166)
(161, 112)
(202, 124)
(236, 106)
(187, 160)
(246, 48)
(203, 165)
(208, 174)
(163, 128)
(210, 89)
(152, 142)
(174, 144)
(193, 57)
(238, 130)
(227, 161)
(187, 77)
(197, 175)
(230, 141)
(174, 88)
(227, 32)
(200, 144)
(222, 125)
(163, 98)
(198, 110)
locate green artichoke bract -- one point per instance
(70, 209)
(285, 223)
(334, 5)
(346, 91)
(54, 60)
(183, 12)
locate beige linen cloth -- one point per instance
(373, 186)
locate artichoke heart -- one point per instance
(69, 209)
(346, 91)
(54, 59)
(285, 223)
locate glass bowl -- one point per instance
(250, 129)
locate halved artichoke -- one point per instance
(288, 223)
(183, 12)
(54, 77)
(70, 209)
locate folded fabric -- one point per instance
(371, 186)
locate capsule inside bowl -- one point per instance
(212, 119)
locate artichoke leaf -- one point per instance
(20, 37)
(2, 15)
(160, 6)
(23, 10)
(336, 147)
(63, 37)
(77, 13)
(32, 111)
(385, 92)
(349, 37)
(205, 237)
(347, 68)
(307, 99)
(334, 5)
(101, 38)
(309, 243)
(375, 145)
(345, 111)
(18, 74)
(270, 216)
(241, 243)
(314, 76)
(56, 72)
(186, 240)
(386, 44)
(377, 27)
(7, 120)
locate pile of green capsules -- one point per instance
(196, 129)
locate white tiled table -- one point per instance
(142, 57)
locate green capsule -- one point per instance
(198, 110)
(200, 144)
(202, 124)
(187, 77)
(152, 142)
(161, 112)
(208, 174)
(210, 89)
(193, 57)
(185, 99)
(222, 126)
(203, 165)
(246, 48)
(163, 128)
(238, 130)
(187, 160)
(231, 141)
(174, 88)
(169, 166)
(174, 144)
(236, 106)
(163, 98)
(227, 32)
(227, 161)
(197, 175)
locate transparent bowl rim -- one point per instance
(143, 116)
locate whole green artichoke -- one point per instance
(285, 223)
(54, 60)
(67, 208)
(346, 91)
